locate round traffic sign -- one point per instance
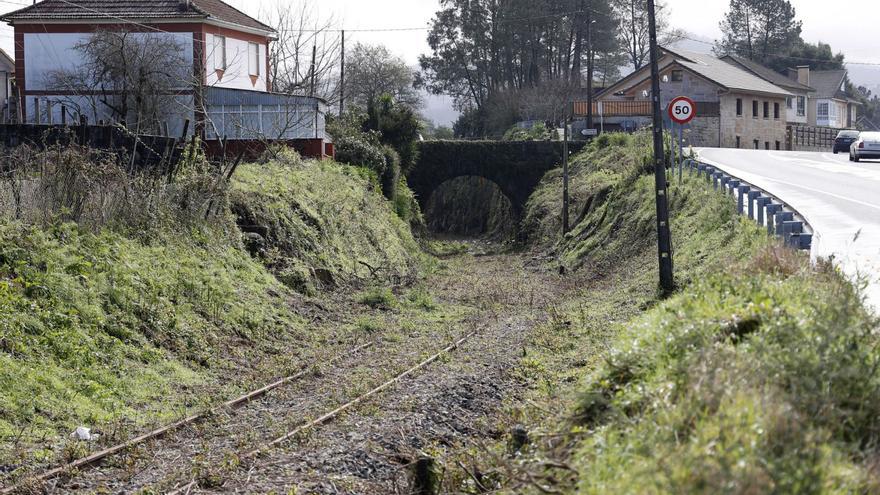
(682, 110)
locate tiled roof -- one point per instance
(828, 83)
(726, 74)
(135, 10)
(767, 73)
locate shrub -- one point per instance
(360, 152)
(282, 154)
(537, 132)
(391, 175)
(378, 298)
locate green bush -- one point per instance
(378, 298)
(360, 152)
(537, 132)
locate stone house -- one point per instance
(797, 105)
(735, 107)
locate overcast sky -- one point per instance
(849, 26)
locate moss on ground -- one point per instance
(760, 375)
(323, 225)
(119, 331)
(98, 327)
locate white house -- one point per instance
(224, 69)
(833, 107)
(7, 74)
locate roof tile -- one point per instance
(135, 10)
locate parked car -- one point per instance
(844, 140)
(866, 146)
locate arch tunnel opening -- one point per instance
(471, 207)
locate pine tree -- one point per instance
(765, 31)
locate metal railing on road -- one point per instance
(767, 210)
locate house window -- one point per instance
(677, 76)
(766, 109)
(738, 142)
(823, 110)
(254, 59)
(802, 106)
(219, 52)
(755, 108)
(776, 110)
(778, 145)
(757, 144)
(766, 145)
(739, 108)
(789, 103)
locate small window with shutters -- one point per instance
(254, 59)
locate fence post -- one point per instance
(753, 195)
(740, 201)
(760, 203)
(771, 209)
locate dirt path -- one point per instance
(367, 450)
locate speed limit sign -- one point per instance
(682, 110)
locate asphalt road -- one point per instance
(838, 198)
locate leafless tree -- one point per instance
(302, 33)
(127, 76)
(633, 32)
(373, 71)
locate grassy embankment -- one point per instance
(133, 308)
(760, 375)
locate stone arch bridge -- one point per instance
(516, 167)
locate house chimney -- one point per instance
(804, 74)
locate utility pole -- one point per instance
(312, 82)
(664, 236)
(342, 78)
(590, 22)
(565, 199)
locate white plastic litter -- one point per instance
(82, 433)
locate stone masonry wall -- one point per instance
(766, 131)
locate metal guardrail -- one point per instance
(767, 210)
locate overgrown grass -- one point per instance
(124, 314)
(760, 375)
(100, 327)
(323, 225)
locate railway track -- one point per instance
(97, 457)
(329, 416)
(187, 486)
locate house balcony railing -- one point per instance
(641, 108)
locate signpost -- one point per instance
(682, 110)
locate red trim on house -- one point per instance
(232, 33)
(43, 92)
(268, 66)
(309, 148)
(183, 27)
